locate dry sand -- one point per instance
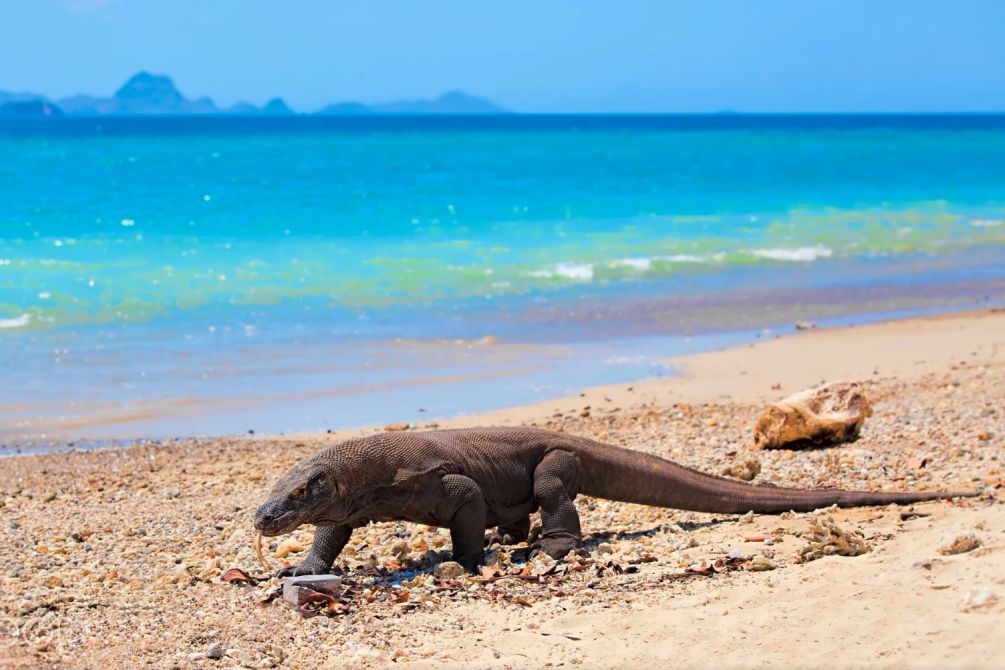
(115, 558)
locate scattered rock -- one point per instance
(805, 325)
(287, 547)
(826, 538)
(979, 598)
(277, 653)
(215, 652)
(746, 470)
(400, 549)
(738, 553)
(825, 415)
(760, 564)
(449, 570)
(393, 427)
(605, 548)
(242, 655)
(311, 589)
(960, 544)
(685, 542)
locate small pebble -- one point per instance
(449, 570)
(737, 553)
(980, 597)
(287, 547)
(960, 545)
(760, 563)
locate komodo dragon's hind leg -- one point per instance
(464, 505)
(556, 482)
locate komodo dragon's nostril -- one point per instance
(264, 516)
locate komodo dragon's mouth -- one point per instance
(271, 530)
(276, 525)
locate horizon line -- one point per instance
(512, 113)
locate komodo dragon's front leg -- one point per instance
(556, 482)
(463, 511)
(328, 544)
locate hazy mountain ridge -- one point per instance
(452, 102)
(151, 94)
(29, 108)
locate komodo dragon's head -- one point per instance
(308, 493)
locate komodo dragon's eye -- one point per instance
(299, 491)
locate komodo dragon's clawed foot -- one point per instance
(470, 562)
(307, 567)
(494, 538)
(512, 533)
(557, 547)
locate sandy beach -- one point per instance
(116, 558)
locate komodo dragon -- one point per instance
(473, 479)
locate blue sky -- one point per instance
(547, 56)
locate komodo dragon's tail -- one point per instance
(630, 476)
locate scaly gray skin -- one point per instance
(473, 479)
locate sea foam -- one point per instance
(640, 264)
(15, 322)
(799, 254)
(691, 258)
(574, 271)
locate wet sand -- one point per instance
(115, 558)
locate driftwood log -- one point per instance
(821, 416)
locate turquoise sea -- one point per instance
(212, 275)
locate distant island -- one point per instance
(153, 94)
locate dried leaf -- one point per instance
(643, 559)
(238, 576)
(276, 593)
(309, 606)
(490, 571)
(708, 570)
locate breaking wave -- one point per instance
(572, 271)
(797, 255)
(15, 322)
